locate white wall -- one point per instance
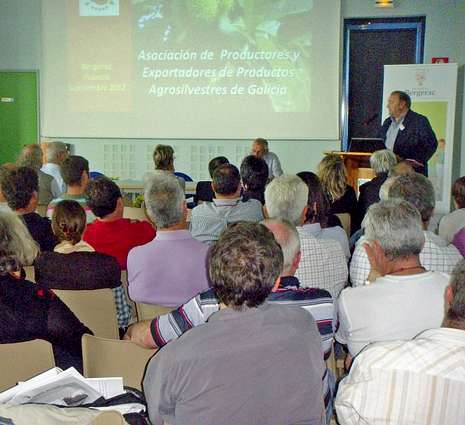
(20, 48)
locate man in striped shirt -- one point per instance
(195, 312)
(421, 381)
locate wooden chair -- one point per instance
(108, 357)
(30, 273)
(345, 221)
(109, 417)
(135, 213)
(95, 308)
(23, 360)
(150, 311)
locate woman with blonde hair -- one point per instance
(163, 159)
(333, 177)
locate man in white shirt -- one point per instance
(402, 298)
(55, 154)
(420, 381)
(323, 263)
(260, 150)
(436, 255)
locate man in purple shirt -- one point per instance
(170, 269)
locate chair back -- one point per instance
(109, 357)
(30, 273)
(23, 360)
(135, 213)
(345, 221)
(150, 311)
(95, 308)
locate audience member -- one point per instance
(437, 254)
(32, 156)
(333, 177)
(55, 154)
(381, 162)
(209, 219)
(74, 264)
(75, 172)
(3, 203)
(188, 378)
(419, 381)
(203, 190)
(110, 233)
(170, 269)
(254, 176)
(459, 241)
(20, 187)
(316, 219)
(163, 159)
(323, 264)
(403, 298)
(451, 223)
(28, 310)
(260, 150)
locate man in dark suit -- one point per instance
(407, 133)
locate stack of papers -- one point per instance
(62, 388)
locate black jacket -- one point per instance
(416, 141)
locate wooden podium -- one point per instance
(357, 165)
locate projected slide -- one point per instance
(191, 68)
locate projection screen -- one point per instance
(193, 69)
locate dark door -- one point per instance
(369, 45)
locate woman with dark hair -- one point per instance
(85, 268)
(30, 311)
(318, 223)
(203, 190)
(451, 223)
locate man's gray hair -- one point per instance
(30, 156)
(17, 248)
(382, 161)
(396, 225)
(416, 189)
(164, 198)
(53, 150)
(286, 197)
(287, 237)
(456, 311)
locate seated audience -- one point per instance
(412, 382)
(317, 219)
(333, 177)
(209, 219)
(451, 223)
(170, 269)
(163, 159)
(459, 241)
(196, 311)
(254, 176)
(260, 150)
(436, 254)
(55, 154)
(381, 162)
(110, 233)
(20, 187)
(227, 371)
(74, 264)
(403, 298)
(204, 190)
(32, 156)
(75, 172)
(30, 311)
(323, 263)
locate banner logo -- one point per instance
(98, 7)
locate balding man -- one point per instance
(260, 150)
(55, 154)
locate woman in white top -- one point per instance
(451, 223)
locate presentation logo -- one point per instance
(98, 7)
